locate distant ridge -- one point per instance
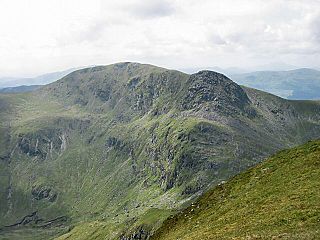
(20, 89)
(298, 84)
(39, 80)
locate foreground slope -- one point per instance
(278, 199)
(109, 149)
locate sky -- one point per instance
(41, 36)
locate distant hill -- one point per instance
(297, 84)
(39, 80)
(20, 89)
(278, 199)
(226, 71)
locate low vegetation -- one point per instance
(278, 199)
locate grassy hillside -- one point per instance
(294, 84)
(278, 199)
(107, 150)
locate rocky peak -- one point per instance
(215, 89)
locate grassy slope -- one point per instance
(84, 176)
(132, 152)
(27, 114)
(277, 199)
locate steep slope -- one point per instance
(295, 84)
(109, 149)
(278, 199)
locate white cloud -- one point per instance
(39, 36)
(150, 9)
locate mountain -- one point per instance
(298, 84)
(39, 80)
(278, 199)
(111, 151)
(230, 71)
(20, 89)
(272, 66)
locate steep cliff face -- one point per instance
(105, 145)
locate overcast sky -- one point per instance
(39, 36)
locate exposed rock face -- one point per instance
(43, 144)
(216, 89)
(113, 142)
(9, 196)
(28, 219)
(140, 234)
(43, 192)
(35, 220)
(51, 141)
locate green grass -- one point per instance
(278, 199)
